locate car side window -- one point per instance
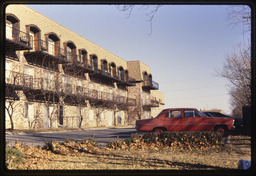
(173, 114)
(190, 113)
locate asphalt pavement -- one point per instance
(103, 136)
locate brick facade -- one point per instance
(56, 78)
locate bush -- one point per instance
(14, 158)
(180, 140)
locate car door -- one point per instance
(191, 121)
(172, 120)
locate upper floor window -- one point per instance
(94, 62)
(112, 69)
(104, 65)
(126, 76)
(9, 30)
(82, 57)
(69, 54)
(51, 47)
(121, 73)
(70, 51)
(35, 37)
(12, 27)
(53, 44)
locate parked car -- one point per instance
(238, 121)
(185, 119)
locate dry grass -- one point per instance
(78, 157)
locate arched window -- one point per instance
(70, 49)
(104, 65)
(126, 76)
(145, 78)
(12, 27)
(94, 61)
(121, 73)
(53, 44)
(150, 79)
(35, 37)
(112, 69)
(82, 57)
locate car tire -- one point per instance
(222, 130)
(159, 130)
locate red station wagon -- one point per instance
(185, 119)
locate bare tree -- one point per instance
(240, 14)
(237, 70)
(150, 12)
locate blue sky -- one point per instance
(187, 45)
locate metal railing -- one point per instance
(151, 84)
(20, 37)
(52, 49)
(45, 84)
(154, 103)
(18, 79)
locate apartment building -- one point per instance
(57, 78)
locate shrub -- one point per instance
(180, 140)
(14, 158)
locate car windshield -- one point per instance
(202, 114)
(159, 114)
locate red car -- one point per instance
(185, 119)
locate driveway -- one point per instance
(101, 135)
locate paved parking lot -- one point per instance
(101, 135)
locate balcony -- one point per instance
(17, 40)
(18, 80)
(46, 55)
(152, 85)
(154, 103)
(45, 84)
(76, 68)
(121, 80)
(131, 102)
(106, 96)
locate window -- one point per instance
(69, 58)
(48, 81)
(51, 46)
(28, 76)
(104, 66)
(121, 73)
(173, 114)
(190, 113)
(112, 69)
(9, 30)
(32, 38)
(94, 62)
(29, 111)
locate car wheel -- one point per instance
(159, 130)
(222, 130)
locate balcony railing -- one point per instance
(18, 40)
(45, 84)
(154, 103)
(67, 88)
(120, 99)
(151, 84)
(106, 96)
(49, 49)
(131, 101)
(18, 79)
